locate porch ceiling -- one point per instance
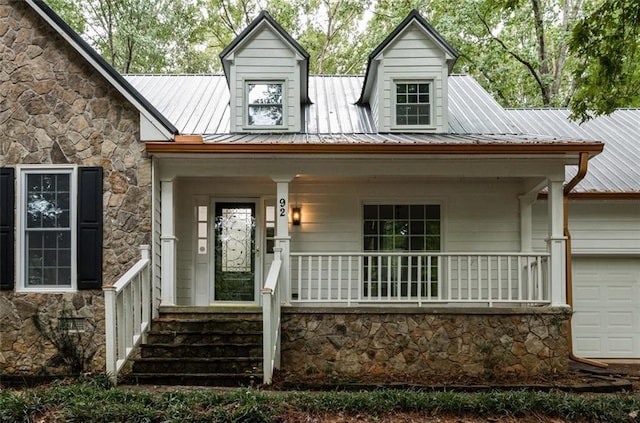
(526, 167)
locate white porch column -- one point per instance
(168, 243)
(557, 244)
(526, 222)
(282, 233)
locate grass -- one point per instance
(94, 400)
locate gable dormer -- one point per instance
(406, 80)
(267, 72)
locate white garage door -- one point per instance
(606, 323)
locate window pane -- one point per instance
(433, 227)
(370, 228)
(433, 212)
(401, 227)
(265, 93)
(265, 115)
(202, 213)
(402, 212)
(417, 243)
(370, 243)
(417, 212)
(370, 212)
(416, 227)
(386, 212)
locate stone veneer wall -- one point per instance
(56, 109)
(388, 344)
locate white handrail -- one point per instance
(420, 278)
(271, 300)
(128, 313)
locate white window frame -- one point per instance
(245, 111)
(21, 256)
(394, 97)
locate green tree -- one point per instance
(607, 43)
(71, 12)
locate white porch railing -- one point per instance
(419, 278)
(128, 313)
(271, 301)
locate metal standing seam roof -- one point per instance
(199, 104)
(617, 168)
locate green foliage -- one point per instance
(519, 50)
(607, 43)
(74, 349)
(91, 402)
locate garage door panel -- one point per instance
(621, 320)
(588, 294)
(588, 345)
(587, 320)
(606, 322)
(620, 346)
(620, 295)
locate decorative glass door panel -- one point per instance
(235, 229)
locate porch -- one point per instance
(420, 241)
(352, 314)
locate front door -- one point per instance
(235, 266)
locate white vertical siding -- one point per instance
(265, 56)
(413, 56)
(597, 227)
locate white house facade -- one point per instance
(401, 223)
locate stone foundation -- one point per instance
(400, 343)
(24, 350)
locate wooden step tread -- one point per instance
(194, 359)
(200, 332)
(194, 375)
(227, 344)
(207, 319)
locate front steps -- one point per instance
(219, 346)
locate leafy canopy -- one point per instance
(527, 53)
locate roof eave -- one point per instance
(104, 68)
(372, 149)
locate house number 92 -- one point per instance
(283, 209)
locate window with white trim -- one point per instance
(401, 228)
(413, 103)
(265, 104)
(47, 229)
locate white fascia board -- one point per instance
(149, 131)
(143, 111)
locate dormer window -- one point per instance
(413, 103)
(265, 107)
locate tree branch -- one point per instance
(515, 55)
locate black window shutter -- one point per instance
(7, 229)
(89, 228)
